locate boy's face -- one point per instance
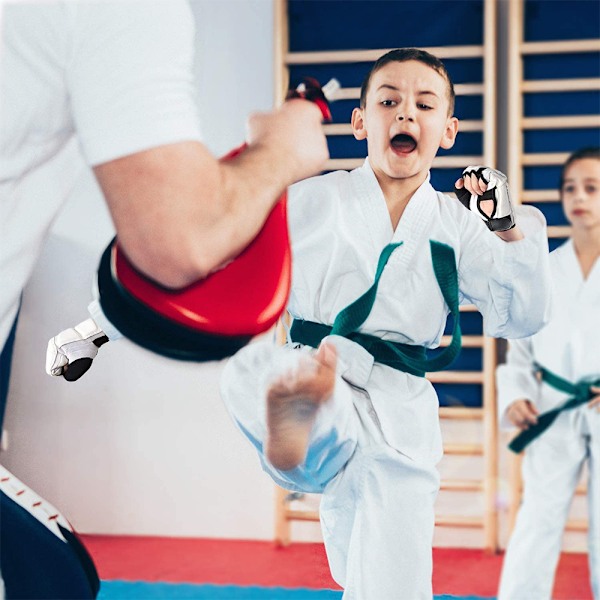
(581, 193)
(405, 120)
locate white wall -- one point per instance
(142, 444)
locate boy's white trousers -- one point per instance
(377, 509)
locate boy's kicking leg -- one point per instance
(295, 410)
(292, 403)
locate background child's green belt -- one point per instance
(581, 393)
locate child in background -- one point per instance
(566, 350)
(356, 420)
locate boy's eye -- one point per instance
(568, 189)
(424, 106)
(388, 102)
(591, 189)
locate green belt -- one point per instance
(581, 393)
(403, 357)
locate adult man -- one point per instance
(112, 83)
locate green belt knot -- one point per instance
(583, 392)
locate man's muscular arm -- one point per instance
(180, 213)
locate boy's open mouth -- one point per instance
(403, 143)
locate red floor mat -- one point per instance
(237, 562)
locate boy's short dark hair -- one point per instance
(591, 152)
(403, 55)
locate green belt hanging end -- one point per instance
(581, 393)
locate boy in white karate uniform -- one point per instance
(357, 421)
(566, 350)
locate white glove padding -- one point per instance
(71, 352)
(500, 217)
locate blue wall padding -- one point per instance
(552, 211)
(554, 243)
(470, 323)
(541, 178)
(370, 24)
(443, 179)
(468, 142)
(560, 140)
(551, 20)
(459, 394)
(557, 66)
(470, 359)
(550, 104)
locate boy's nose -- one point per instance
(403, 116)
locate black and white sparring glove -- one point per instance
(485, 192)
(71, 352)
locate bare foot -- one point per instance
(292, 403)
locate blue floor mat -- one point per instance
(139, 590)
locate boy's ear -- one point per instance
(358, 124)
(449, 133)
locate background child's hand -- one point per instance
(595, 401)
(484, 191)
(522, 413)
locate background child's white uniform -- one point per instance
(377, 508)
(568, 346)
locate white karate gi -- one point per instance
(375, 444)
(569, 347)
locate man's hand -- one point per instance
(595, 401)
(484, 191)
(522, 414)
(71, 352)
(295, 134)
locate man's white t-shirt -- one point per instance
(81, 83)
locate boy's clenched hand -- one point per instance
(484, 191)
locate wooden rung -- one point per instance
(471, 125)
(545, 158)
(468, 341)
(560, 47)
(577, 525)
(468, 308)
(461, 485)
(458, 521)
(336, 164)
(561, 85)
(456, 377)
(564, 122)
(346, 128)
(463, 449)
(370, 56)
(559, 231)
(302, 515)
(440, 162)
(460, 89)
(337, 129)
(540, 196)
(460, 412)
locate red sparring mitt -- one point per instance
(215, 317)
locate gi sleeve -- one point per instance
(515, 380)
(508, 282)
